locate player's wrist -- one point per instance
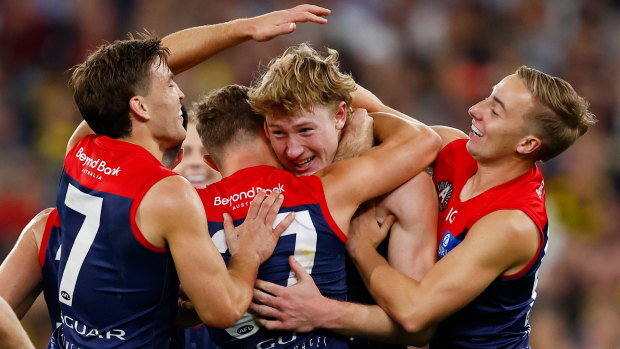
(358, 247)
(243, 28)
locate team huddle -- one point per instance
(330, 219)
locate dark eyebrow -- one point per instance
(499, 102)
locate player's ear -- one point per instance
(528, 145)
(341, 115)
(138, 108)
(266, 130)
(178, 159)
(209, 161)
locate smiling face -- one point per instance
(163, 106)
(498, 126)
(193, 167)
(306, 141)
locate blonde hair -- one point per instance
(564, 117)
(300, 79)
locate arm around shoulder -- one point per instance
(171, 214)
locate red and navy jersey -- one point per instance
(313, 238)
(49, 256)
(115, 289)
(498, 317)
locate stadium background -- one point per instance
(430, 59)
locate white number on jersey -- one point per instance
(90, 207)
(305, 250)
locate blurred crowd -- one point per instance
(431, 59)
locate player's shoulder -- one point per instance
(170, 189)
(448, 134)
(169, 195)
(512, 223)
(37, 224)
(170, 201)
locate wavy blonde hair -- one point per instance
(300, 79)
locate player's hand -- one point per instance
(270, 25)
(295, 308)
(357, 136)
(365, 229)
(256, 234)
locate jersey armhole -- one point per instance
(543, 241)
(328, 216)
(134, 208)
(52, 221)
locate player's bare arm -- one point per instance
(405, 148)
(448, 134)
(20, 273)
(191, 46)
(171, 214)
(362, 98)
(456, 279)
(412, 247)
(12, 334)
(307, 309)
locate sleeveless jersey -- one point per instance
(498, 317)
(116, 290)
(313, 238)
(49, 256)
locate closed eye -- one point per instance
(276, 133)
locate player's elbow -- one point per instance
(224, 314)
(221, 318)
(428, 141)
(411, 321)
(423, 145)
(224, 321)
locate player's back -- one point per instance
(313, 238)
(116, 290)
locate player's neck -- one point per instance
(248, 157)
(490, 175)
(148, 143)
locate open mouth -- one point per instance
(476, 131)
(304, 162)
(196, 178)
(303, 166)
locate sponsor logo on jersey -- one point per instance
(448, 242)
(444, 193)
(244, 327)
(541, 190)
(85, 331)
(96, 165)
(245, 195)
